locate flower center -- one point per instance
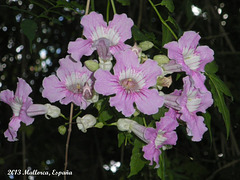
(131, 80)
(75, 82)
(193, 102)
(192, 60)
(102, 45)
(16, 106)
(129, 84)
(160, 139)
(108, 33)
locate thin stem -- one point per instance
(24, 154)
(144, 122)
(161, 19)
(113, 7)
(68, 139)
(108, 8)
(87, 7)
(64, 117)
(77, 115)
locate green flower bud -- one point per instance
(146, 45)
(161, 59)
(99, 125)
(91, 65)
(62, 129)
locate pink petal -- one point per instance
(206, 55)
(53, 90)
(171, 138)
(122, 25)
(77, 99)
(90, 23)
(7, 96)
(167, 123)
(148, 101)
(119, 47)
(14, 124)
(125, 60)
(105, 83)
(189, 39)
(151, 153)
(68, 67)
(174, 52)
(206, 101)
(196, 128)
(123, 102)
(198, 78)
(150, 134)
(23, 113)
(11, 135)
(151, 71)
(23, 89)
(79, 48)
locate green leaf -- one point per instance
(169, 5)
(166, 35)
(211, 68)
(104, 116)
(29, 28)
(218, 97)
(138, 35)
(124, 2)
(220, 84)
(160, 113)
(137, 162)
(121, 138)
(207, 121)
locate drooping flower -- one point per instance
(156, 138)
(73, 83)
(106, 39)
(187, 103)
(190, 56)
(44, 109)
(162, 135)
(131, 82)
(19, 103)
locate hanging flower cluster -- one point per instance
(131, 81)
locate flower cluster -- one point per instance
(133, 81)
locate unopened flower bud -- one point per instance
(47, 110)
(146, 45)
(91, 65)
(125, 124)
(105, 65)
(52, 111)
(86, 122)
(161, 59)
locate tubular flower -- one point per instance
(86, 122)
(187, 103)
(106, 39)
(162, 135)
(190, 56)
(47, 109)
(73, 83)
(19, 103)
(131, 82)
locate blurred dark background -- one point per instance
(95, 155)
